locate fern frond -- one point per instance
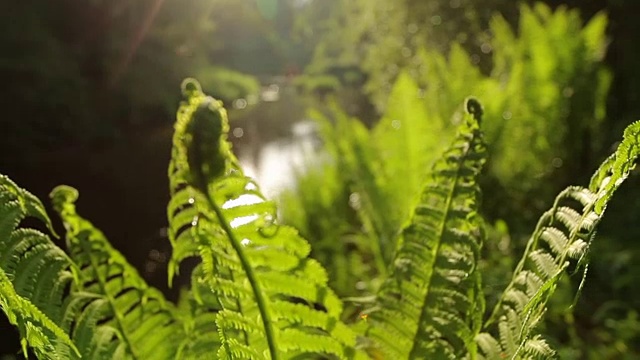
(615, 170)
(562, 237)
(39, 332)
(33, 275)
(46, 277)
(546, 258)
(431, 305)
(146, 323)
(274, 300)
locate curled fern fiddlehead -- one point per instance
(272, 300)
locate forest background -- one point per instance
(90, 89)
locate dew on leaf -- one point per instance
(268, 227)
(354, 201)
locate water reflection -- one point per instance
(279, 160)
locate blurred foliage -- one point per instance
(544, 88)
(374, 40)
(228, 85)
(548, 86)
(109, 65)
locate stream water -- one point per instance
(278, 161)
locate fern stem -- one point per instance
(251, 276)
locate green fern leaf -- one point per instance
(547, 256)
(33, 275)
(146, 324)
(615, 170)
(46, 338)
(430, 307)
(561, 238)
(46, 278)
(273, 300)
